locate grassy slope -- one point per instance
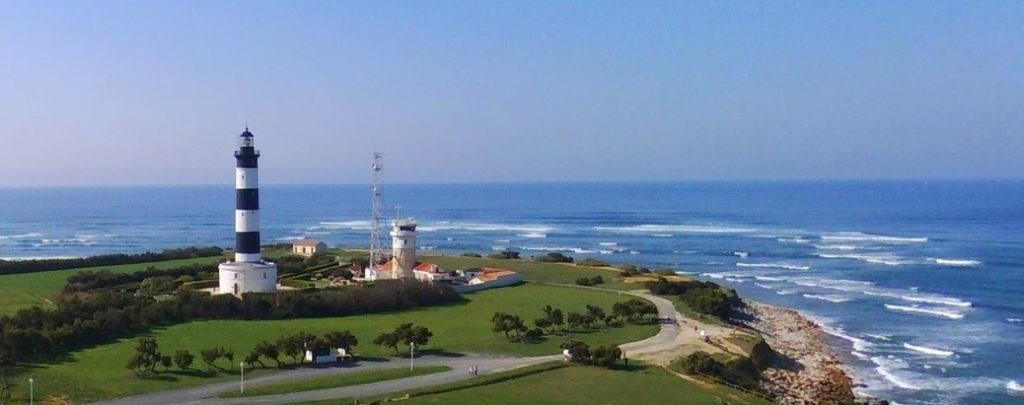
(553, 383)
(19, 291)
(540, 272)
(99, 372)
(340, 380)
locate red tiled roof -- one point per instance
(307, 242)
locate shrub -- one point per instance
(470, 254)
(665, 272)
(578, 351)
(589, 262)
(596, 280)
(606, 356)
(584, 281)
(508, 254)
(554, 257)
(740, 370)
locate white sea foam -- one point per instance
(837, 247)
(605, 252)
(879, 337)
(870, 238)
(769, 278)
(741, 254)
(608, 244)
(928, 350)
(558, 249)
(734, 280)
(715, 275)
(955, 262)
(1014, 386)
(498, 248)
(503, 240)
(1014, 320)
(764, 286)
(798, 239)
(887, 259)
(287, 238)
(926, 311)
(860, 355)
(665, 229)
(936, 300)
(534, 235)
(350, 225)
(21, 236)
(830, 298)
(775, 265)
(634, 252)
(662, 235)
(885, 368)
(785, 292)
(859, 344)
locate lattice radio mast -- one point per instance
(376, 237)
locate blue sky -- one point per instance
(99, 93)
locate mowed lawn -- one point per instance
(541, 272)
(592, 385)
(18, 291)
(100, 372)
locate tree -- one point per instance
(575, 319)
(295, 345)
(506, 323)
(341, 339)
(253, 358)
(542, 323)
(635, 309)
(211, 355)
(578, 351)
(166, 362)
(230, 355)
(553, 317)
(183, 359)
(606, 356)
(268, 350)
(596, 312)
(146, 357)
(387, 339)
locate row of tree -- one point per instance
(604, 356)
(89, 318)
(147, 355)
(634, 310)
(34, 266)
(150, 281)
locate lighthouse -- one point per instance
(248, 272)
(403, 248)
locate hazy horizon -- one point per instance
(128, 94)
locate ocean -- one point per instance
(918, 283)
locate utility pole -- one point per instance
(241, 367)
(31, 391)
(412, 354)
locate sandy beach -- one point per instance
(808, 372)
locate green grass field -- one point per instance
(339, 380)
(589, 385)
(540, 272)
(557, 383)
(99, 372)
(18, 291)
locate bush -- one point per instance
(606, 356)
(554, 257)
(508, 254)
(588, 262)
(584, 281)
(665, 272)
(470, 254)
(596, 280)
(740, 371)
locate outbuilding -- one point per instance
(308, 247)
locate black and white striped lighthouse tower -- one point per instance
(249, 272)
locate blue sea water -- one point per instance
(919, 283)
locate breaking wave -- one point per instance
(775, 265)
(865, 237)
(534, 235)
(21, 236)
(955, 262)
(830, 298)
(558, 249)
(884, 367)
(936, 300)
(1014, 386)
(765, 286)
(928, 350)
(926, 311)
(1014, 320)
(887, 259)
(665, 229)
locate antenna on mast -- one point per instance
(377, 218)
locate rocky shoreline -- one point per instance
(807, 371)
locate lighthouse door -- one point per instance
(236, 288)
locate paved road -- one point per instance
(207, 394)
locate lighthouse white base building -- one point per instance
(242, 277)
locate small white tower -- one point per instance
(403, 247)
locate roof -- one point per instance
(246, 134)
(307, 242)
(489, 274)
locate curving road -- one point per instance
(668, 338)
